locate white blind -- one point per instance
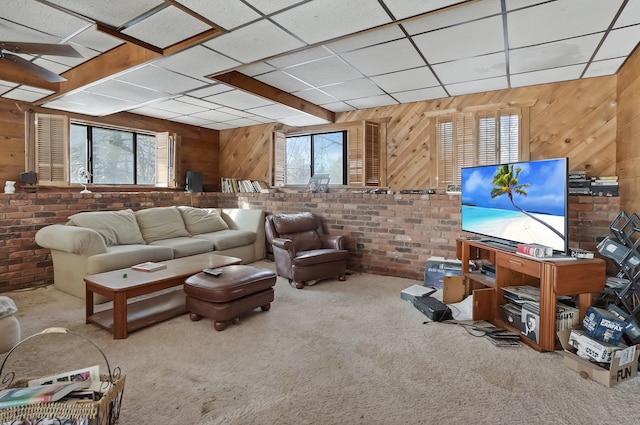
(52, 154)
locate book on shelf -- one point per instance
(24, 396)
(149, 266)
(535, 250)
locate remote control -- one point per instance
(213, 272)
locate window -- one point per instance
(78, 152)
(476, 138)
(306, 155)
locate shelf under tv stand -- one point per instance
(580, 277)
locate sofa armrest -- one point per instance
(284, 245)
(72, 239)
(333, 241)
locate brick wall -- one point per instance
(387, 234)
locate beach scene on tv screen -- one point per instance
(522, 202)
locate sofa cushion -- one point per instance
(300, 228)
(227, 239)
(184, 247)
(161, 223)
(123, 256)
(202, 220)
(116, 227)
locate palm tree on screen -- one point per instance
(505, 181)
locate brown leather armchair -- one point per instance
(302, 251)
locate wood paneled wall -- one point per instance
(576, 119)
(628, 141)
(199, 146)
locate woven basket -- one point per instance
(105, 411)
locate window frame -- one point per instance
(48, 148)
(464, 148)
(312, 152)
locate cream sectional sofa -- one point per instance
(99, 241)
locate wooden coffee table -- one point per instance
(124, 284)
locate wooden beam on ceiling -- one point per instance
(258, 88)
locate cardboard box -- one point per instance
(437, 268)
(454, 289)
(624, 365)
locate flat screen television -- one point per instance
(519, 202)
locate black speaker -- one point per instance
(194, 181)
(28, 177)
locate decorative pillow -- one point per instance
(116, 227)
(161, 223)
(202, 220)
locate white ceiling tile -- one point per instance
(41, 17)
(256, 69)
(324, 71)
(113, 12)
(270, 6)
(303, 120)
(160, 79)
(470, 69)
(420, 94)
(89, 103)
(398, 55)
(367, 39)
(405, 8)
(71, 61)
(547, 76)
(125, 91)
(191, 120)
(218, 126)
(8, 83)
(620, 42)
(233, 111)
(562, 19)
(303, 56)
(453, 16)
(238, 99)
(26, 94)
(210, 90)
(406, 80)
(373, 101)
(197, 62)
(353, 89)
(153, 29)
(282, 81)
(319, 21)
(197, 102)
(479, 86)
(338, 107)
(10, 31)
(178, 107)
(242, 122)
(215, 115)
(605, 67)
(52, 66)
(96, 40)
(553, 55)
(275, 111)
(254, 42)
(462, 41)
(519, 4)
(226, 14)
(153, 112)
(315, 96)
(630, 15)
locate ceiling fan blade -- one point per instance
(40, 49)
(32, 68)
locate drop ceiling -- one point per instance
(335, 55)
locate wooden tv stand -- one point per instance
(580, 277)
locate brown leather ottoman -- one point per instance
(239, 289)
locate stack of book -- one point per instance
(604, 186)
(230, 185)
(578, 183)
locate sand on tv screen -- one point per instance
(520, 202)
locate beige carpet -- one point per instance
(335, 353)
